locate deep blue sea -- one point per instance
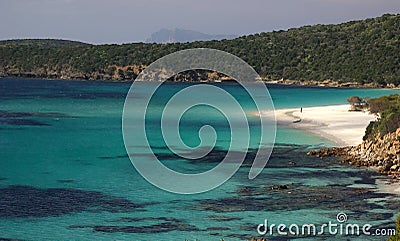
(65, 173)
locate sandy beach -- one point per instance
(333, 122)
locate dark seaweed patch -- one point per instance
(224, 218)
(334, 197)
(393, 204)
(26, 201)
(114, 157)
(157, 228)
(326, 174)
(288, 156)
(172, 225)
(23, 122)
(25, 118)
(129, 219)
(372, 216)
(10, 114)
(16, 114)
(217, 228)
(365, 179)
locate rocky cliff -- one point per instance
(382, 152)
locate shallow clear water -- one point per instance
(65, 174)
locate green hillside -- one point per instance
(47, 43)
(364, 51)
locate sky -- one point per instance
(127, 21)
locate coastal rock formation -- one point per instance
(382, 152)
(331, 83)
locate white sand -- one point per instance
(337, 124)
(333, 122)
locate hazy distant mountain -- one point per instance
(182, 35)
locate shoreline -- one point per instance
(343, 127)
(333, 122)
(295, 83)
(332, 84)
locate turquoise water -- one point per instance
(65, 174)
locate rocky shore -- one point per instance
(129, 73)
(383, 152)
(112, 73)
(331, 83)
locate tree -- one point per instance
(111, 71)
(357, 104)
(388, 107)
(121, 74)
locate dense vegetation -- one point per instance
(47, 43)
(397, 236)
(388, 108)
(363, 51)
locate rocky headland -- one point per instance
(381, 152)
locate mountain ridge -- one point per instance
(364, 51)
(178, 35)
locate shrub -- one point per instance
(397, 236)
(388, 107)
(378, 105)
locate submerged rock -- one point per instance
(280, 187)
